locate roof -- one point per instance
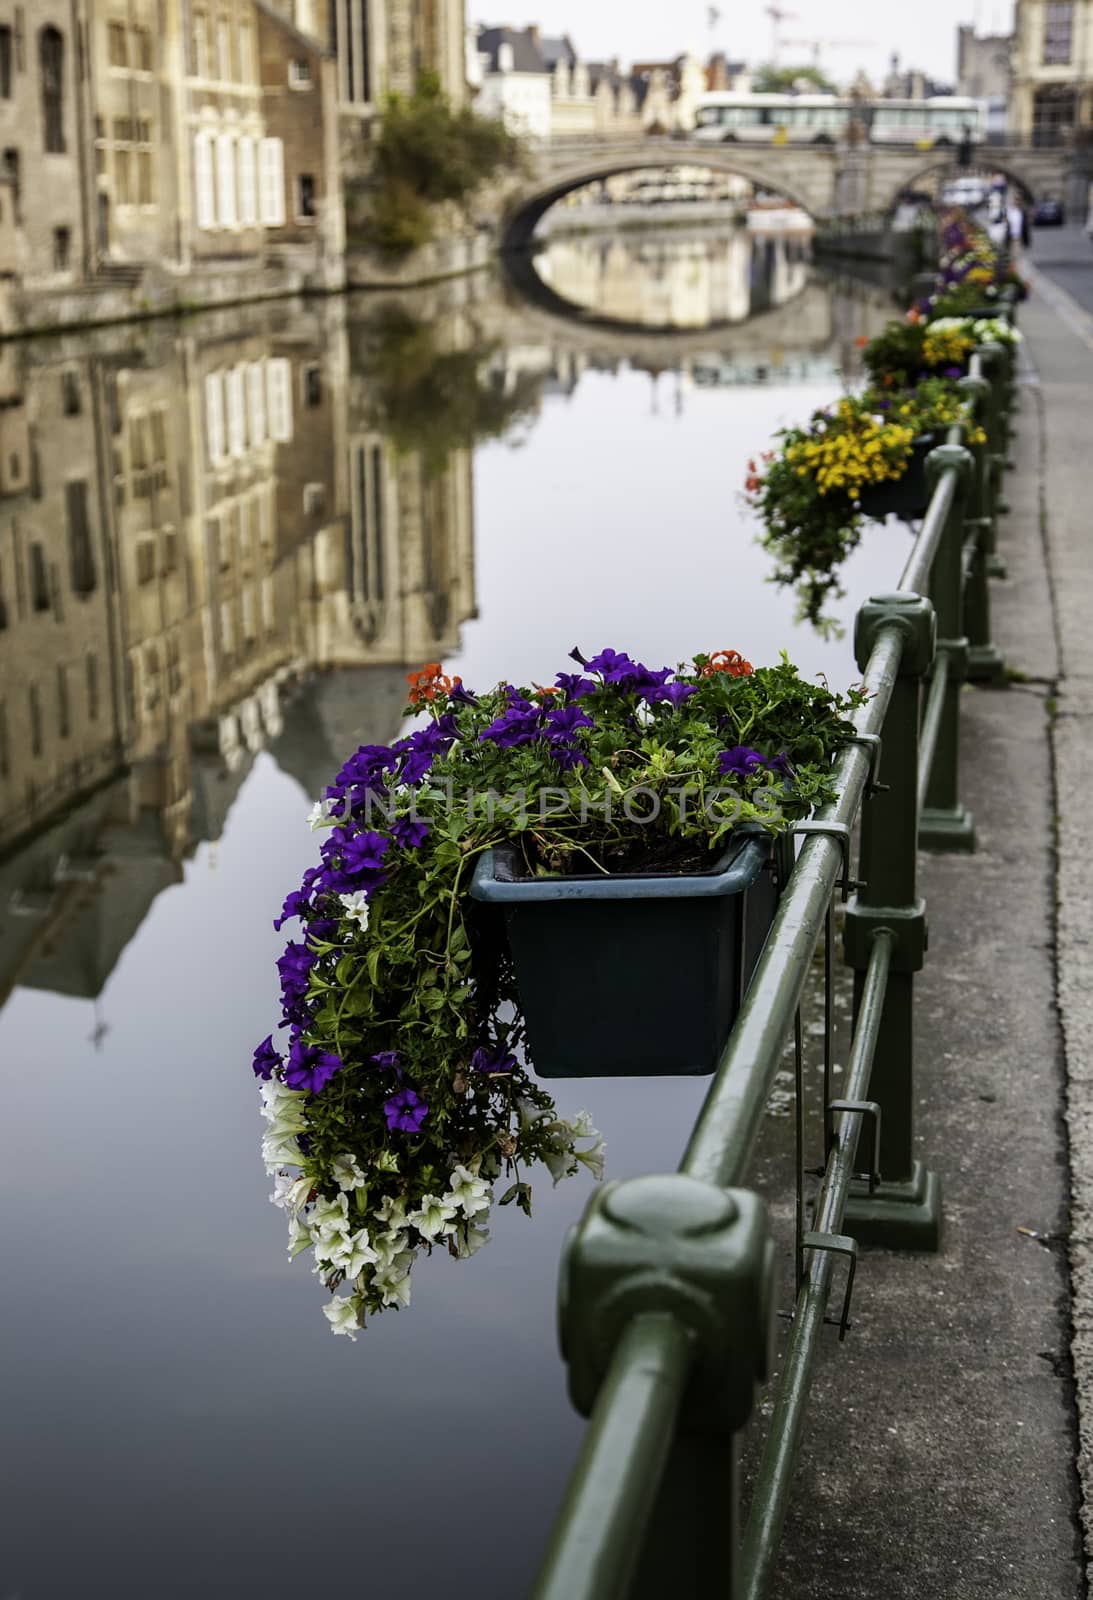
(555, 50)
(527, 55)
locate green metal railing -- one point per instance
(667, 1296)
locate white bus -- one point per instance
(825, 119)
(761, 118)
(930, 124)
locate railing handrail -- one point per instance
(629, 1455)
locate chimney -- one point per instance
(533, 32)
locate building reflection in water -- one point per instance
(208, 545)
(686, 277)
(240, 532)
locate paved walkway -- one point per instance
(941, 1449)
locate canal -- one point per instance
(223, 543)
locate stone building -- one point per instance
(984, 69)
(43, 141)
(1053, 71)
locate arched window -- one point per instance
(51, 61)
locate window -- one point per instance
(146, 561)
(305, 197)
(313, 386)
(199, 46)
(214, 416)
(225, 180)
(314, 499)
(353, 49)
(268, 607)
(142, 50)
(271, 183)
(34, 706)
(279, 399)
(62, 249)
(51, 61)
(223, 50)
(64, 718)
(92, 667)
(123, 177)
(70, 394)
(158, 419)
(12, 171)
(227, 631)
(138, 442)
(247, 599)
(115, 44)
(256, 402)
(205, 193)
(248, 183)
(299, 74)
(39, 578)
(237, 416)
(5, 63)
(170, 550)
(1058, 31)
(81, 559)
(246, 54)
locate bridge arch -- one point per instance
(1031, 182)
(527, 205)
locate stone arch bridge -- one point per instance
(823, 179)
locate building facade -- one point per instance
(1053, 71)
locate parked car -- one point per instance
(1048, 214)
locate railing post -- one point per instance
(677, 1249)
(985, 660)
(904, 1209)
(944, 823)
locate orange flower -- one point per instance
(429, 682)
(730, 661)
(861, 341)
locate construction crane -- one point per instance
(817, 45)
(777, 17)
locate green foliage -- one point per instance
(436, 401)
(785, 80)
(428, 155)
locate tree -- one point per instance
(789, 80)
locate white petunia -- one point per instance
(393, 1283)
(322, 815)
(358, 1253)
(347, 1173)
(290, 1191)
(392, 1211)
(582, 1126)
(468, 1192)
(470, 1238)
(594, 1159)
(282, 1106)
(330, 1217)
(344, 1316)
(433, 1217)
(388, 1246)
(279, 1148)
(355, 908)
(299, 1237)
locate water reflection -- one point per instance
(222, 545)
(688, 277)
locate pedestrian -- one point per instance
(1015, 217)
(997, 223)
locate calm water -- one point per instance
(223, 545)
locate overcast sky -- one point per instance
(924, 32)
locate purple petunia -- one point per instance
(515, 727)
(405, 1111)
(460, 696)
(310, 1068)
(385, 1058)
(574, 686)
(409, 835)
(673, 694)
(265, 1059)
(294, 967)
(499, 1059)
(740, 760)
(564, 721)
(354, 860)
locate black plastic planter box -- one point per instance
(906, 496)
(634, 976)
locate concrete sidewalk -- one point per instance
(941, 1447)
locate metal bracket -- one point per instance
(840, 832)
(866, 1108)
(838, 1244)
(870, 742)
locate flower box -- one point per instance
(634, 975)
(906, 496)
